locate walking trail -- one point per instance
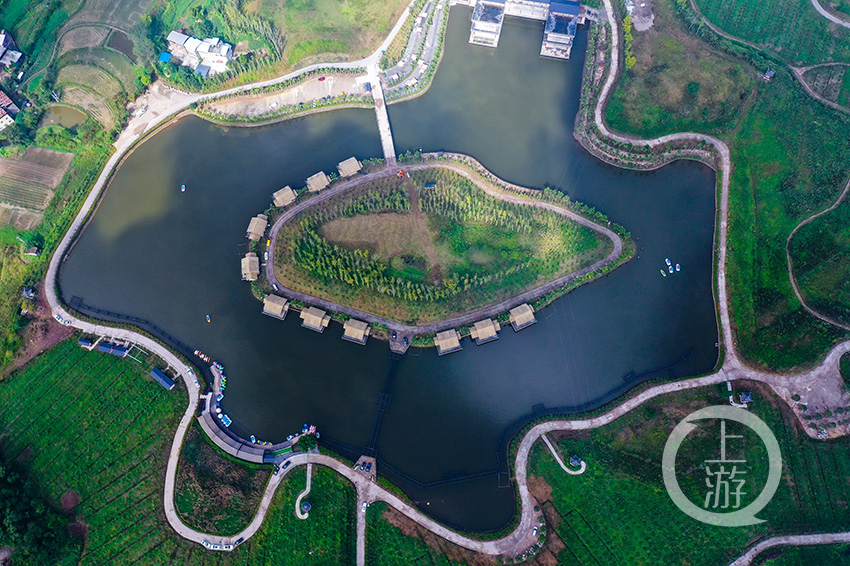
(826, 375)
(302, 515)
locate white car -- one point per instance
(228, 547)
(207, 544)
(58, 318)
(363, 508)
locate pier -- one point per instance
(383, 117)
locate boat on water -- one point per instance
(671, 269)
(202, 355)
(208, 318)
(253, 438)
(678, 268)
(226, 420)
(663, 274)
(182, 188)
(667, 260)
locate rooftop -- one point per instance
(284, 196)
(177, 37)
(349, 167)
(447, 342)
(485, 331)
(317, 182)
(276, 306)
(250, 267)
(356, 331)
(257, 227)
(315, 319)
(522, 316)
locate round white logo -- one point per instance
(725, 476)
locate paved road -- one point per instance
(825, 375)
(832, 18)
(300, 514)
(571, 471)
(465, 319)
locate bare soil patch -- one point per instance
(69, 501)
(42, 333)
(18, 217)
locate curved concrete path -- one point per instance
(300, 514)
(569, 470)
(467, 318)
(831, 17)
(521, 538)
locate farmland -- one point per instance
(112, 426)
(215, 494)
(90, 77)
(678, 83)
(820, 252)
(422, 253)
(783, 173)
(90, 102)
(108, 60)
(29, 181)
(790, 29)
(623, 486)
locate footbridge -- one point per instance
(383, 116)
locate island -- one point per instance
(435, 243)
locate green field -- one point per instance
(93, 431)
(112, 62)
(789, 29)
(387, 545)
(820, 252)
(215, 494)
(789, 154)
(783, 174)
(400, 249)
(678, 82)
(623, 486)
(110, 426)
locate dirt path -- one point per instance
(421, 219)
(832, 18)
(791, 277)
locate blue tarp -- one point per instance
(165, 57)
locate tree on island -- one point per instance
(307, 442)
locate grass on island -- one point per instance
(678, 83)
(93, 432)
(215, 494)
(791, 30)
(416, 253)
(820, 251)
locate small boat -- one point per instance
(253, 438)
(671, 269)
(667, 260)
(321, 79)
(226, 420)
(182, 188)
(208, 318)
(662, 273)
(678, 268)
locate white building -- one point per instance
(5, 120)
(208, 56)
(8, 55)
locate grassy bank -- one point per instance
(425, 248)
(789, 154)
(112, 427)
(678, 83)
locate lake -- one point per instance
(172, 258)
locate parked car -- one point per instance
(228, 547)
(207, 544)
(277, 471)
(240, 541)
(395, 334)
(285, 465)
(535, 530)
(406, 341)
(369, 467)
(363, 508)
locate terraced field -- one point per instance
(90, 102)
(87, 36)
(113, 62)
(90, 77)
(29, 182)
